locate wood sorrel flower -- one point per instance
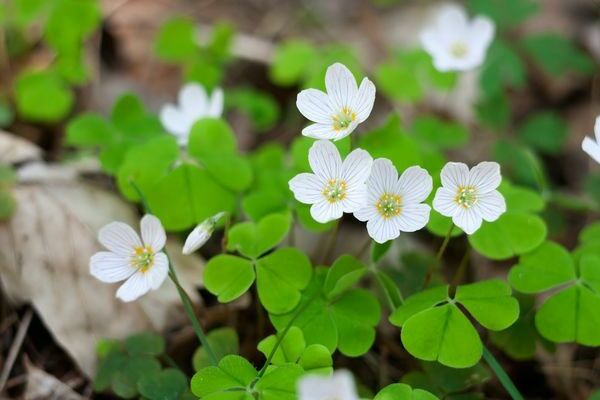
(470, 196)
(201, 233)
(395, 205)
(454, 42)
(194, 104)
(138, 261)
(339, 386)
(592, 146)
(339, 111)
(335, 187)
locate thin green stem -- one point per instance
(438, 257)
(460, 272)
(502, 375)
(386, 292)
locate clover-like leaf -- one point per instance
(42, 96)
(279, 383)
(147, 343)
(168, 384)
(228, 277)
(402, 391)
(233, 374)
(345, 272)
(254, 239)
(176, 40)
(520, 339)
(222, 341)
(490, 303)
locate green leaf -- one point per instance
(519, 340)
(223, 342)
(176, 40)
(591, 233)
(378, 250)
(439, 134)
(502, 68)
(316, 359)
(260, 107)
(494, 111)
(42, 96)
(440, 225)
(490, 303)
(146, 343)
(280, 276)
(279, 383)
(544, 131)
(345, 272)
(233, 373)
(254, 239)
(290, 349)
(168, 384)
(402, 391)
(124, 380)
(520, 163)
(556, 55)
(228, 277)
(261, 203)
(90, 130)
(291, 61)
(419, 302)
(505, 13)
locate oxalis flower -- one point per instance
(395, 205)
(591, 146)
(339, 386)
(339, 111)
(139, 262)
(194, 104)
(454, 42)
(470, 196)
(335, 187)
(201, 233)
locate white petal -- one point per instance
(444, 203)
(317, 387)
(356, 168)
(364, 100)
(485, 176)
(137, 285)
(383, 178)
(174, 121)
(157, 274)
(320, 131)
(414, 185)
(413, 217)
(193, 101)
(382, 230)
(366, 212)
(110, 267)
(451, 18)
(119, 238)
(491, 205)
(215, 105)
(342, 133)
(324, 159)
(433, 44)
(307, 188)
(467, 219)
(323, 211)
(591, 148)
(454, 175)
(153, 233)
(597, 129)
(341, 86)
(315, 106)
(196, 239)
(482, 31)
(356, 198)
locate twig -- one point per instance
(15, 347)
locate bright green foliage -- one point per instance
(519, 340)
(544, 131)
(439, 134)
(517, 231)
(176, 40)
(236, 379)
(254, 239)
(406, 77)
(520, 163)
(440, 225)
(505, 13)
(401, 391)
(346, 322)
(379, 250)
(228, 277)
(345, 273)
(502, 68)
(570, 315)
(168, 384)
(557, 55)
(42, 96)
(293, 349)
(223, 342)
(260, 107)
(435, 329)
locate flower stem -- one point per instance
(501, 375)
(460, 272)
(438, 257)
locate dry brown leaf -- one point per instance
(43, 386)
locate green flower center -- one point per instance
(343, 119)
(335, 190)
(143, 258)
(466, 196)
(459, 49)
(389, 205)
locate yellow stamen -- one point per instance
(343, 119)
(459, 49)
(335, 190)
(466, 196)
(389, 205)
(142, 258)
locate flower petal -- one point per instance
(215, 104)
(467, 219)
(153, 233)
(482, 33)
(318, 387)
(307, 188)
(356, 198)
(366, 212)
(415, 185)
(193, 101)
(324, 159)
(174, 121)
(341, 86)
(356, 168)
(364, 100)
(491, 205)
(382, 230)
(383, 178)
(485, 176)
(592, 148)
(454, 175)
(137, 285)
(597, 129)
(196, 239)
(157, 274)
(109, 267)
(444, 203)
(314, 105)
(323, 211)
(413, 217)
(320, 131)
(119, 238)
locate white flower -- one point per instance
(470, 196)
(395, 205)
(454, 42)
(339, 386)
(194, 104)
(335, 187)
(138, 261)
(201, 234)
(339, 111)
(591, 146)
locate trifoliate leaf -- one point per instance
(222, 341)
(254, 239)
(261, 203)
(291, 62)
(125, 380)
(345, 272)
(556, 54)
(290, 347)
(490, 303)
(42, 96)
(279, 383)
(520, 339)
(502, 68)
(494, 111)
(228, 277)
(505, 13)
(433, 132)
(146, 343)
(401, 391)
(544, 131)
(168, 384)
(260, 107)
(234, 373)
(176, 40)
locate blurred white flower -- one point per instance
(395, 205)
(194, 104)
(201, 233)
(339, 111)
(339, 386)
(138, 261)
(454, 42)
(335, 187)
(470, 196)
(591, 146)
